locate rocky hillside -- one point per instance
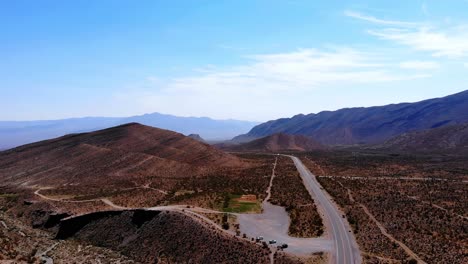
(118, 155)
(278, 142)
(369, 125)
(452, 139)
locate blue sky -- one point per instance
(251, 60)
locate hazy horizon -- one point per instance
(266, 60)
(218, 119)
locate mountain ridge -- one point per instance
(16, 133)
(277, 142)
(368, 125)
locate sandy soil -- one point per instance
(273, 223)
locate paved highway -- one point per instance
(346, 249)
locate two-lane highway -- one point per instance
(346, 249)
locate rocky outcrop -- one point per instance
(153, 237)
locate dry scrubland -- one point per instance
(316, 258)
(215, 188)
(381, 164)
(137, 166)
(428, 216)
(289, 191)
(207, 187)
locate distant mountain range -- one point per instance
(16, 133)
(371, 125)
(275, 143)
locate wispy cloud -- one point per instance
(450, 43)
(444, 41)
(419, 65)
(302, 69)
(264, 80)
(379, 21)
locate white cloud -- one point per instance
(419, 65)
(261, 86)
(379, 21)
(451, 42)
(299, 70)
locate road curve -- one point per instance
(346, 249)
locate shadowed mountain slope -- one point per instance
(161, 237)
(279, 142)
(369, 125)
(452, 139)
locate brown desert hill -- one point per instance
(112, 156)
(278, 142)
(450, 139)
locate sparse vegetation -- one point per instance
(289, 191)
(421, 201)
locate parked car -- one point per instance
(272, 241)
(282, 246)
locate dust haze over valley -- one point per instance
(296, 132)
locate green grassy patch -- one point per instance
(233, 205)
(8, 195)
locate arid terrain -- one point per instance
(288, 191)
(447, 139)
(234, 132)
(400, 207)
(69, 189)
(141, 194)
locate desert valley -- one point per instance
(233, 132)
(140, 194)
